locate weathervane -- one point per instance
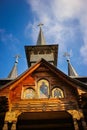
(67, 55)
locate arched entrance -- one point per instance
(45, 120)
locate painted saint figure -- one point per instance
(43, 90)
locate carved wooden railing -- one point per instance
(43, 105)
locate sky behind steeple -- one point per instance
(65, 23)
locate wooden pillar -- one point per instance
(84, 124)
(13, 127)
(5, 127)
(75, 124)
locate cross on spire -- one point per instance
(16, 58)
(67, 55)
(40, 25)
(71, 70)
(41, 39)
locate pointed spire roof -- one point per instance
(41, 39)
(71, 71)
(13, 74)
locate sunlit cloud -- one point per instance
(62, 20)
(83, 51)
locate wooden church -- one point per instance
(43, 97)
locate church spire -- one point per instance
(71, 71)
(41, 50)
(13, 74)
(41, 39)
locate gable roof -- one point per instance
(52, 68)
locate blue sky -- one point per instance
(65, 23)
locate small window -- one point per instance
(29, 93)
(57, 93)
(43, 88)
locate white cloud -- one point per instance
(57, 16)
(83, 51)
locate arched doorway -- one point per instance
(45, 120)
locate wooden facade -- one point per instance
(43, 97)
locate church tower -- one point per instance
(41, 50)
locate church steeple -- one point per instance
(41, 50)
(13, 74)
(41, 39)
(71, 71)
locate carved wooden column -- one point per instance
(5, 127)
(84, 124)
(13, 127)
(75, 124)
(75, 117)
(10, 120)
(78, 116)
